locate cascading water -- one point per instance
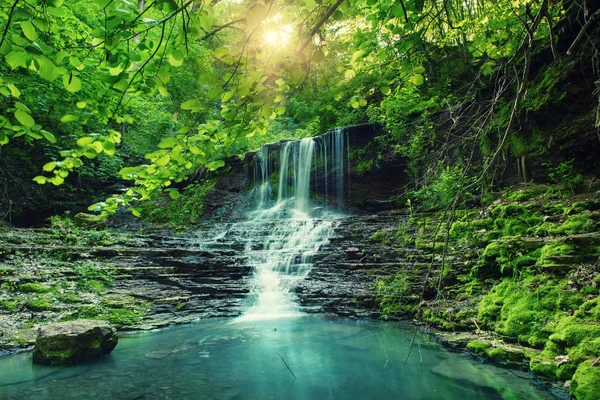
(292, 227)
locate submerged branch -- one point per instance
(287, 366)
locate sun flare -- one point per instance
(278, 36)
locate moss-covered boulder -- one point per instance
(74, 341)
(83, 220)
(586, 381)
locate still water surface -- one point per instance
(332, 358)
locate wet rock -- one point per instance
(74, 341)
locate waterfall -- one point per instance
(283, 234)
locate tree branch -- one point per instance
(10, 15)
(320, 23)
(584, 29)
(216, 30)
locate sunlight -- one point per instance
(277, 33)
(279, 36)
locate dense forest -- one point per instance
(473, 157)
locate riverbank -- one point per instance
(515, 280)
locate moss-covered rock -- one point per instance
(84, 220)
(479, 347)
(586, 381)
(73, 342)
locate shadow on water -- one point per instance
(331, 358)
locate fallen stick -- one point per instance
(287, 366)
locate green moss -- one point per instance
(33, 288)
(10, 305)
(94, 285)
(580, 206)
(522, 310)
(586, 382)
(510, 210)
(508, 256)
(7, 271)
(526, 193)
(499, 355)
(479, 347)
(572, 331)
(580, 223)
(551, 253)
(41, 304)
(70, 298)
(187, 209)
(555, 209)
(544, 368)
(123, 317)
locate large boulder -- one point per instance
(74, 341)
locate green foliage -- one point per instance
(180, 210)
(447, 186)
(565, 175)
(546, 90)
(393, 294)
(93, 277)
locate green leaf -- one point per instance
(164, 160)
(176, 58)
(266, 111)
(13, 90)
(57, 180)
(24, 118)
(135, 212)
(195, 150)
(56, 12)
(29, 30)
(163, 75)
(48, 70)
(40, 179)
(72, 83)
(16, 59)
(84, 141)
(49, 137)
(215, 165)
(167, 143)
(49, 166)
(90, 152)
(227, 96)
(417, 79)
(21, 106)
(81, 104)
(124, 172)
(386, 90)
(68, 118)
(109, 147)
(221, 52)
(193, 104)
(121, 85)
(174, 193)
